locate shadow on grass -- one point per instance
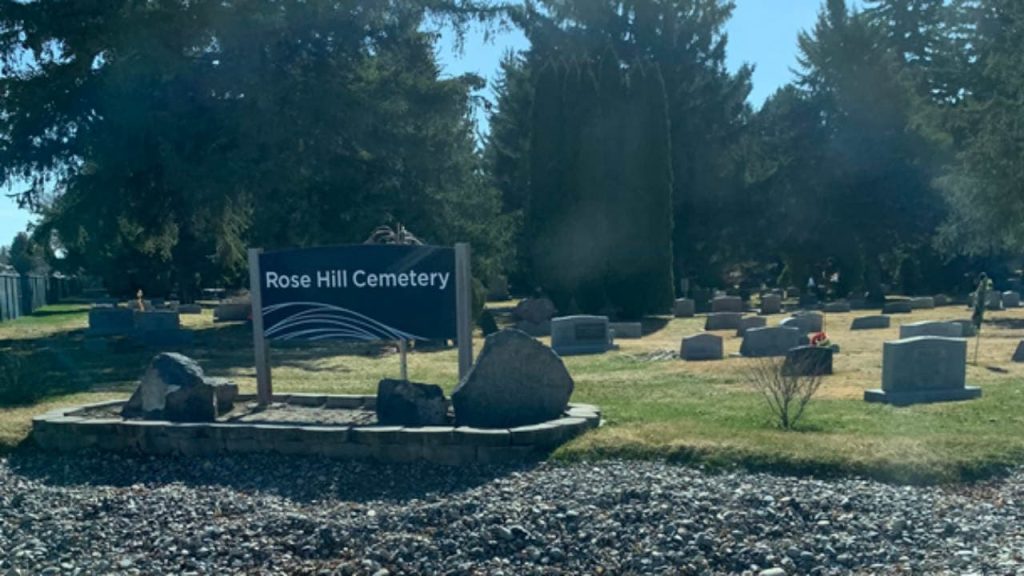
(300, 479)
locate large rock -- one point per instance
(535, 310)
(516, 381)
(403, 403)
(174, 388)
(771, 341)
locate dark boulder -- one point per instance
(403, 403)
(516, 381)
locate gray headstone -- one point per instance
(723, 321)
(808, 361)
(232, 312)
(941, 300)
(771, 304)
(805, 322)
(771, 341)
(627, 329)
(922, 303)
(727, 304)
(923, 369)
(703, 346)
(897, 307)
(516, 381)
(157, 320)
(684, 308)
(190, 309)
(404, 403)
(111, 321)
(967, 328)
(1018, 354)
(871, 323)
(836, 307)
(748, 322)
(930, 328)
(580, 335)
(1011, 299)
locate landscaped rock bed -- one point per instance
(95, 513)
(336, 426)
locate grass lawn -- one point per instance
(694, 412)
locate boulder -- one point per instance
(516, 381)
(535, 310)
(174, 388)
(404, 403)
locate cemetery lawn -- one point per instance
(695, 412)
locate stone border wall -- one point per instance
(68, 430)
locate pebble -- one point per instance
(104, 513)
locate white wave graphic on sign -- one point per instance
(319, 321)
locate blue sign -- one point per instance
(362, 292)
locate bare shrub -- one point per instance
(786, 391)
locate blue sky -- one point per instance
(761, 32)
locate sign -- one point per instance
(361, 292)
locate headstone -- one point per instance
(1018, 354)
(497, 288)
(723, 321)
(944, 329)
(871, 323)
(771, 341)
(994, 300)
(836, 307)
(683, 308)
(190, 309)
(897, 307)
(535, 310)
(967, 328)
(727, 304)
(516, 381)
(922, 303)
(627, 329)
(771, 304)
(404, 403)
(702, 299)
(105, 321)
(1011, 299)
(580, 335)
(174, 388)
(941, 300)
(808, 361)
(859, 303)
(749, 322)
(157, 320)
(808, 300)
(806, 322)
(923, 369)
(232, 311)
(703, 346)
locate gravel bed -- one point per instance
(110, 514)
